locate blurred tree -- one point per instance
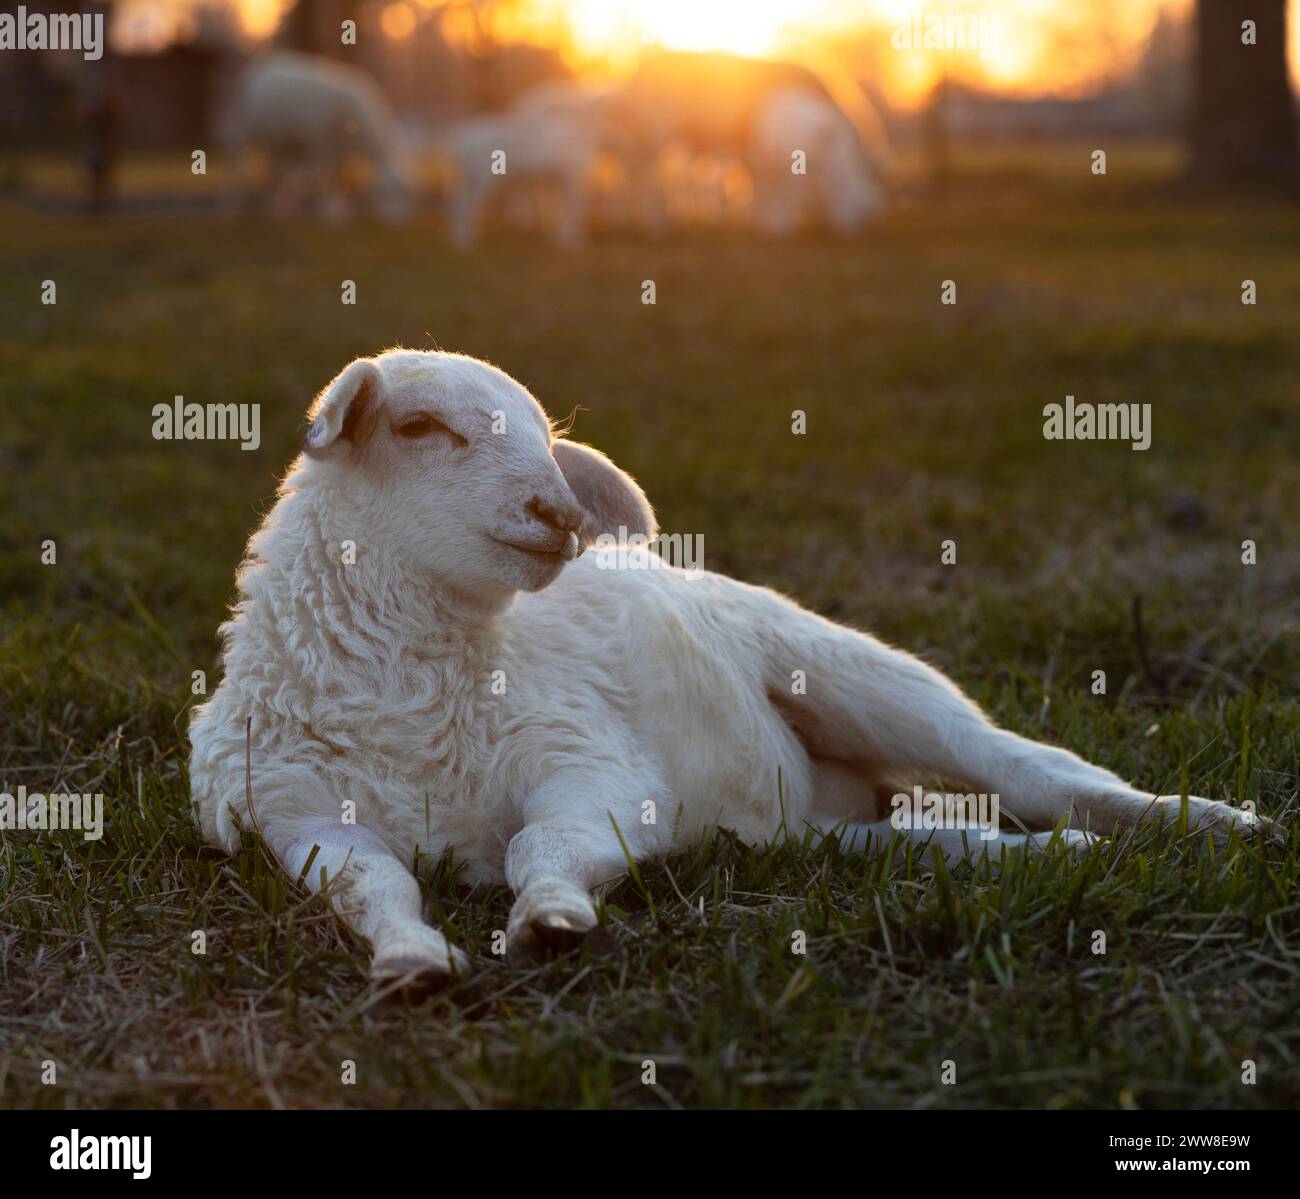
(1244, 123)
(99, 110)
(936, 139)
(480, 27)
(1164, 73)
(314, 27)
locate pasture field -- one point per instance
(924, 423)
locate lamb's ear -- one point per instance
(609, 496)
(347, 409)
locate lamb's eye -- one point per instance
(424, 424)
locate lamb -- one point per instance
(308, 114)
(755, 112)
(839, 184)
(423, 659)
(548, 141)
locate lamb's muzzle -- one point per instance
(564, 515)
(566, 550)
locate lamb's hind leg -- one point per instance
(866, 702)
(958, 844)
(377, 895)
(850, 803)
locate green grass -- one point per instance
(924, 424)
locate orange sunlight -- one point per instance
(1023, 46)
(752, 27)
(1010, 45)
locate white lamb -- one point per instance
(756, 112)
(307, 115)
(838, 184)
(547, 142)
(424, 659)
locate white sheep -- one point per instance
(547, 142)
(424, 662)
(307, 115)
(756, 112)
(833, 179)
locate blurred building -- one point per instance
(164, 99)
(170, 98)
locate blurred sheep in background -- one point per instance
(308, 117)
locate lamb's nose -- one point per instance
(563, 517)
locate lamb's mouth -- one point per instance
(555, 557)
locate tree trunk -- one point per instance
(314, 27)
(1244, 129)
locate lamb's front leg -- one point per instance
(865, 702)
(568, 846)
(377, 895)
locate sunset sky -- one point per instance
(1039, 46)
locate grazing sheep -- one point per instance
(839, 184)
(422, 660)
(308, 115)
(754, 112)
(548, 142)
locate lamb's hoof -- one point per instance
(1219, 820)
(557, 932)
(542, 937)
(1069, 840)
(548, 933)
(411, 979)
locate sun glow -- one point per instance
(1042, 46)
(1038, 45)
(753, 27)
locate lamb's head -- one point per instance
(854, 195)
(450, 468)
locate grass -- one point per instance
(924, 423)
